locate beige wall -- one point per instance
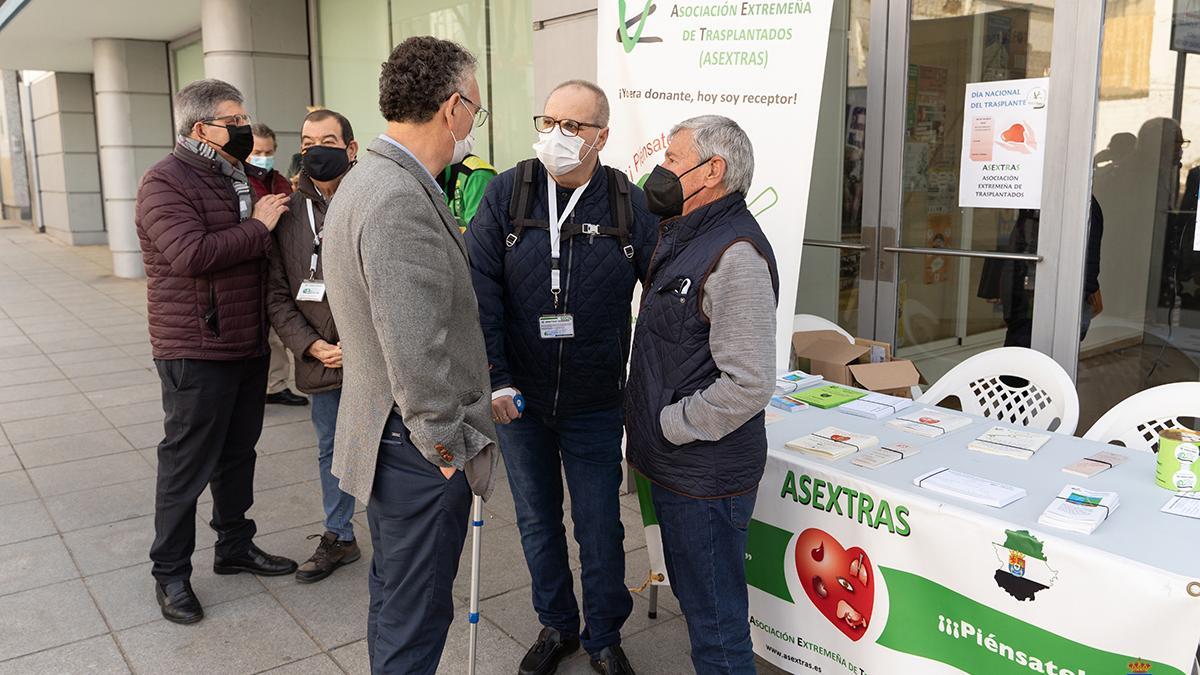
(564, 44)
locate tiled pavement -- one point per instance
(79, 419)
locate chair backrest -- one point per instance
(1138, 420)
(807, 322)
(1047, 400)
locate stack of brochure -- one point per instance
(1006, 442)
(1078, 510)
(972, 488)
(787, 403)
(792, 382)
(829, 396)
(929, 422)
(1093, 464)
(876, 406)
(832, 443)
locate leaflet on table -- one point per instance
(795, 381)
(929, 422)
(829, 396)
(1006, 442)
(875, 406)
(884, 455)
(1185, 504)
(832, 443)
(971, 488)
(787, 403)
(1079, 510)
(1093, 464)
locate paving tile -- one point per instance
(33, 563)
(286, 468)
(15, 487)
(85, 338)
(112, 546)
(96, 656)
(43, 325)
(504, 562)
(101, 367)
(132, 394)
(287, 507)
(9, 341)
(139, 350)
(353, 657)
(126, 596)
(47, 617)
(243, 636)
(661, 649)
(127, 334)
(147, 435)
(124, 378)
(135, 413)
(8, 459)
(276, 414)
(291, 436)
(499, 654)
(24, 520)
(333, 611)
(30, 375)
(320, 664)
(69, 448)
(55, 426)
(23, 362)
(112, 318)
(102, 505)
(85, 474)
(44, 407)
(35, 390)
(90, 355)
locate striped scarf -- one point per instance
(235, 173)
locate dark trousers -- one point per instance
(704, 542)
(214, 415)
(537, 451)
(418, 523)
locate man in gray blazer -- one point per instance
(415, 435)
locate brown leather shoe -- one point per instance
(330, 555)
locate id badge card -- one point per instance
(557, 326)
(312, 290)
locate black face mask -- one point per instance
(241, 142)
(325, 163)
(664, 192)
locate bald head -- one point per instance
(586, 101)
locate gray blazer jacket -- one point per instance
(400, 288)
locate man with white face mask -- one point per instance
(556, 248)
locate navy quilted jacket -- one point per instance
(575, 375)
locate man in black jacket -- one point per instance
(555, 308)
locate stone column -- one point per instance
(133, 121)
(261, 47)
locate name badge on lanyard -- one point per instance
(558, 326)
(312, 289)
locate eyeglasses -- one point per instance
(1184, 143)
(481, 113)
(545, 124)
(230, 120)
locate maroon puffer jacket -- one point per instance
(199, 256)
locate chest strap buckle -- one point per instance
(511, 240)
(628, 251)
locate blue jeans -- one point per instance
(536, 451)
(704, 542)
(339, 506)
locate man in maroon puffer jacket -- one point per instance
(204, 244)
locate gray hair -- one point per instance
(199, 100)
(602, 110)
(719, 136)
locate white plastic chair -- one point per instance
(807, 322)
(1048, 397)
(1138, 420)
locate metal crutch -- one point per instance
(476, 545)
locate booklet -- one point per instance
(1185, 504)
(1006, 442)
(884, 455)
(787, 404)
(971, 488)
(1079, 510)
(829, 396)
(929, 422)
(796, 380)
(1093, 464)
(876, 406)
(832, 443)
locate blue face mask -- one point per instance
(264, 162)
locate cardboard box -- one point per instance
(867, 364)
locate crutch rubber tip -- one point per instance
(652, 615)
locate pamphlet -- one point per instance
(929, 422)
(876, 406)
(1006, 442)
(829, 396)
(1183, 504)
(832, 443)
(884, 455)
(971, 488)
(1079, 510)
(787, 404)
(1093, 464)
(796, 380)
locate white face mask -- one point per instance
(462, 147)
(558, 152)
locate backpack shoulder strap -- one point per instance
(622, 208)
(518, 205)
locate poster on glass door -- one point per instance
(1003, 148)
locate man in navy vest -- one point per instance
(556, 247)
(703, 369)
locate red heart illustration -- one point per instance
(928, 420)
(838, 437)
(1014, 134)
(840, 582)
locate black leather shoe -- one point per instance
(286, 397)
(611, 661)
(178, 603)
(255, 561)
(545, 654)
